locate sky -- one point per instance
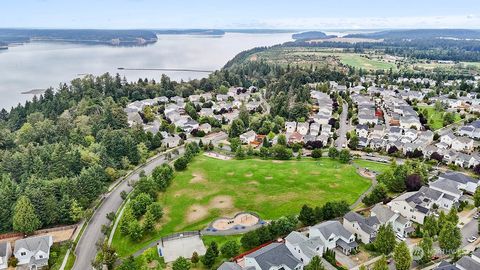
(274, 14)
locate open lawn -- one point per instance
(435, 118)
(374, 166)
(212, 188)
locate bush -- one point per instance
(180, 164)
(317, 153)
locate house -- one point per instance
(365, 119)
(364, 228)
(464, 182)
(462, 144)
(303, 128)
(229, 266)
(207, 112)
(290, 127)
(362, 130)
(5, 254)
(448, 138)
(447, 186)
(33, 252)
(416, 205)
(332, 234)
(385, 215)
(274, 256)
(134, 118)
(302, 247)
(248, 137)
(171, 141)
(295, 137)
(409, 122)
(205, 127)
(315, 129)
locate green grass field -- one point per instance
(435, 118)
(211, 188)
(374, 166)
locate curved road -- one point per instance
(86, 249)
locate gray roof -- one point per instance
(458, 177)
(306, 245)
(274, 254)
(330, 227)
(444, 265)
(446, 185)
(468, 263)
(3, 249)
(366, 224)
(229, 266)
(34, 244)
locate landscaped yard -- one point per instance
(212, 188)
(435, 118)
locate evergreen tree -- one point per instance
(449, 238)
(402, 256)
(209, 258)
(385, 240)
(315, 264)
(181, 264)
(25, 219)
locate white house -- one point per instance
(171, 141)
(448, 138)
(463, 181)
(364, 228)
(5, 253)
(332, 234)
(302, 247)
(462, 144)
(290, 127)
(33, 252)
(385, 215)
(303, 128)
(248, 137)
(205, 127)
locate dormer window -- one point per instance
(40, 256)
(23, 253)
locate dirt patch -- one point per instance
(197, 178)
(255, 183)
(153, 264)
(334, 185)
(277, 161)
(295, 171)
(248, 174)
(268, 177)
(196, 212)
(315, 173)
(221, 202)
(230, 173)
(165, 218)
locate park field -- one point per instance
(212, 188)
(435, 118)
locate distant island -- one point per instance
(311, 35)
(87, 36)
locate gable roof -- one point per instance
(458, 177)
(444, 265)
(273, 255)
(366, 224)
(468, 263)
(330, 227)
(229, 266)
(34, 244)
(3, 249)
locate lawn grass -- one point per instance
(371, 165)
(435, 118)
(270, 188)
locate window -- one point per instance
(40, 256)
(23, 253)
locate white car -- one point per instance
(475, 216)
(400, 237)
(472, 239)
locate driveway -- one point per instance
(86, 249)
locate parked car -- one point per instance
(472, 239)
(475, 216)
(400, 237)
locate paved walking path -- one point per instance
(362, 171)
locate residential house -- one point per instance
(290, 127)
(362, 130)
(364, 228)
(462, 144)
(229, 266)
(464, 182)
(332, 234)
(33, 252)
(303, 128)
(295, 137)
(315, 129)
(5, 254)
(385, 215)
(447, 186)
(205, 127)
(448, 138)
(274, 256)
(248, 137)
(302, 247)
(171, 141)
